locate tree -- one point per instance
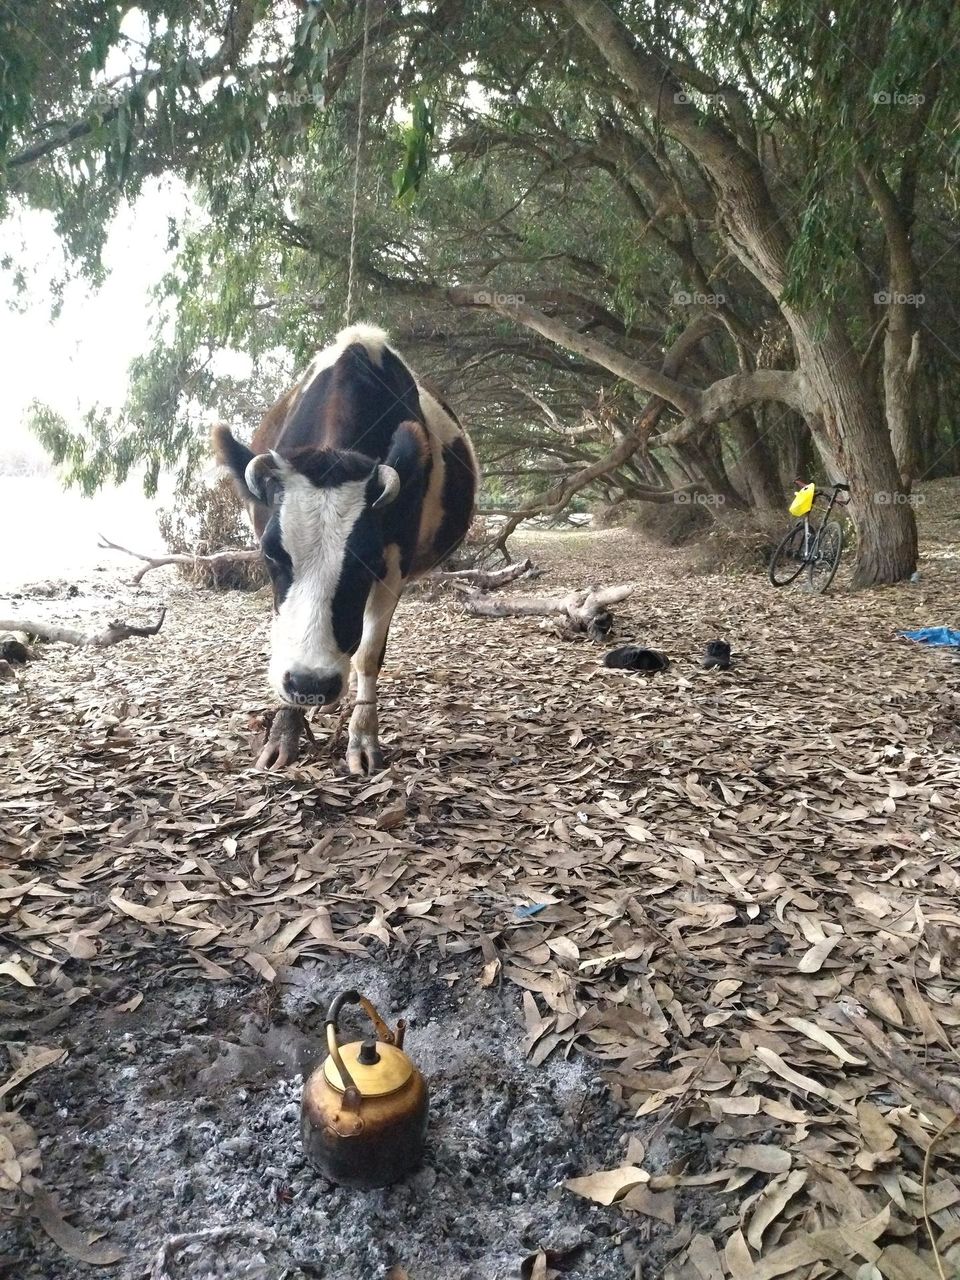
(651, 252)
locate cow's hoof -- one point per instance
(364, 756)
(283, 742)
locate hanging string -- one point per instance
(351, 269)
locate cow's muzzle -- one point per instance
(310, 689)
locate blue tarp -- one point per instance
(934, 635)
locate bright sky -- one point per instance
(80, 358)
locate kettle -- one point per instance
(364, 1110)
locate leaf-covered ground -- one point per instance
(738, 893)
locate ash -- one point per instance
(189, 1119)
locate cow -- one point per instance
(357, 480)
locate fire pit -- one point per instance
(184, 1117)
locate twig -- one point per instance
(246, 1230)
(928, 1157)
(229, 556)
(113, 633)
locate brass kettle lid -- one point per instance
(377, 1069)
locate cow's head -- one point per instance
(322, 540)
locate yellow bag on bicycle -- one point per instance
(803, 500)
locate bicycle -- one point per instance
(816, 549)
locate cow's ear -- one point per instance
(257, 477)
(389, 481)
(233, 455)
(264, 476)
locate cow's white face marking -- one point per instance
(315, 525)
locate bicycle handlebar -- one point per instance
(822, 494)
(838, 487)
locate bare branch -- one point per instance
(240, 556)
(113, 633)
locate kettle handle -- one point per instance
(352, 1094)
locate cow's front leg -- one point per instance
(363, 744)
(283, 740)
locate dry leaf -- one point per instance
(763, 1159)
(390, 818)
(701, 896)
(705, 1259)
(659, 1205)
(877, 1134)
(899, 1263)
(737, 1257)
(775, 1197)
(824, 1038)
(34, 1059)
(68, 1238)
(804, 1083)
(812, 960)
(609, 1185)
(14, 970)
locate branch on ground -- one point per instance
(228, 556)
(579, 612)
(113, 633)
(903, 1066)
(482, 579)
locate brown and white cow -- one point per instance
(358, 480)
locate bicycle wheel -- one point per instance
(826, 556)
(787, 561)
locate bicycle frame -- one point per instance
(811, 537)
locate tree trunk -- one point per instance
(903, 301)
(755, 464)
(901, 348)
(710, 476)
(795, 446)
(835, 395)
(852, 432)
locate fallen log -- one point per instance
(580, 611)
(229, 556)
(113, 633)
(474, 580)
(486, 579)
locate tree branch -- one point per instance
(238, 31)
(112, 634)
(241, 555)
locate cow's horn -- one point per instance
(390, 480)
(260, 471)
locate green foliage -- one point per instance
(521, 173)
(416, 139)
(77, 140)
